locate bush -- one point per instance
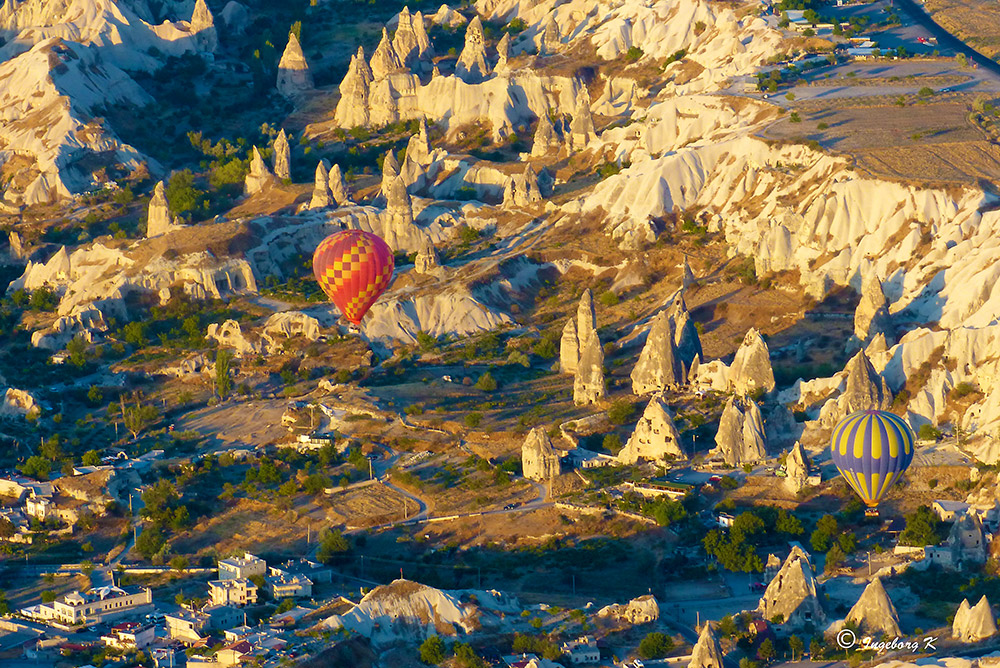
(633, 54)
(925, 92)
(182, 195)
(928, 432)
(432, 651)
(655, 645)
(486, 382)
(473, 420)
(608, 298)
(621, 411)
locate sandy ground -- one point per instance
(233, 424)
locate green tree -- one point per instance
(135, 333)
(796, 645)
(473, 419)
(815, 649)
(150, 541)
(7, 528)
(77, 350)
(922, 528)
(94, 395)
(332, 546)
(91, 458)
(826, 530)
(621, 411)
(486, 382)
(137, 415)
(48, 596)
(223, 379)
(465, 657)
(834, 559)
(766, 651)
(433, 651)
(51, 449)
(655, 645)
(36, 467)
(183, 196)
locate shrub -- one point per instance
(655, 645)
(621, 411)
(633, 54)
(183, 196)
(473, 420)
(608, 298)
(928, 432)
(925, 92)
(486, 382)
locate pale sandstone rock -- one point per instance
(203, 27)
(355, 93)
(655, 437)
(427, 260)
(503, 53)
(282, 156)
(158, 218)
(260, 177)
(874, 612)
(18, 403)
(751, 368)
(385, 61)
(294, 77)
(687, 343)
(796, 469)
(581, 129)
(707, 652)
(588, 385)
(471, 65)
(546, 140)
(230, 335)
(640, 610)
(410, 41)
(792, 594)
(569, 348)
(539, 460)
(872, 314)
(522, 189)
(290, 324)
(321, 195)
(657, 368)
(740, 439)
(973, 624)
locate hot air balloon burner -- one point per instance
(871, 512)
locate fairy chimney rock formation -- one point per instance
(655, 437)
(390, 170)
(688, 278)
(385, 61)
(294, 77)
(259, 177)
(796, 469)
(581, 128)
(707, 652)
(550, 37)
(410, 41)
(687, 343)
(471, 65)
(503, 53)
(522, 189)
(792, 594)
(865, 388)
(539, 460)
(751, 368)
(355, 91)
(874, 612)
(740, 439)
(973, 624)
(569, 348)
(427, 259)
(282, 157)
(338, 188)
(158, 218)
(657, 369)
(546, 140)
(203, 27)
(321, 196)
(589, 386)
(872, 314)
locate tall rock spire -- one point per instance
(294, 77)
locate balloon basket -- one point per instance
(871, 512)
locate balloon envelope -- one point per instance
(354, 268)
(872, 449)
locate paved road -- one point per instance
(945, 38)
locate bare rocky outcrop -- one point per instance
(539, 460)
(159, 220)
(550, 39)
(427, 260)
(230, 335)
(235, 17)
(338, 187)
(589, 385)
(751, 368)
(687, 343)
(18, 403)
(289, 324)
(865, 389)
(321, 196)
(707, 652)
(355, 91)
(657, 368)
(294, 77)
(581, 128)
(260, 176)
(796, 469)
(973, 624)
(522, 189)
(410, 41)
(503, 53)
(968, 540)
(874, 612)
(687, 279)
(203, 27)
(418, 148)
(792, 594)
(641, 610)
(398, 229)
(655, 437)
(390, 170)
(740, 439)
(282, 156)
(545, 140)
(569, 348)
(471, 65)
(872, 314)
(385, 60)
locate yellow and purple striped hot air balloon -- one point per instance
(872, 449)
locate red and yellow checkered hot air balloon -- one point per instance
(353, 267)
